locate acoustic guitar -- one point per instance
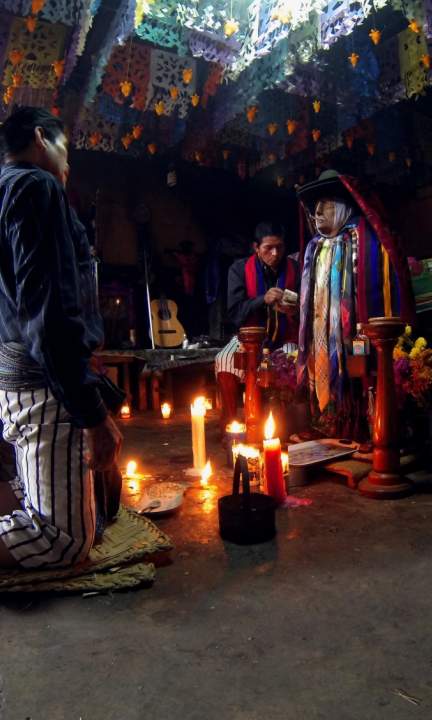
(168, 332)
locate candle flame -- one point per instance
(285, 462)
(247, 451)
(206, 474)
(125, 411)
(166, 410)
(198, 407)
(235, 427)
(269, 427)
(131, 468)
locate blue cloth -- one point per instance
(47, 293)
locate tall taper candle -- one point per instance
(198, 411)
(273, 473)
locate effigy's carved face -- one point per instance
(325, 216)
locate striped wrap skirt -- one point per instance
(54, 485)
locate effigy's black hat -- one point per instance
(328, 185)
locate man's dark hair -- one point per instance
(18, 131)
(266, 229)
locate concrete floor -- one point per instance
(330, 621)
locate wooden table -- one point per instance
(157, 366)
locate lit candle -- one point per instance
(166, 410)
(235, 433)
(253, 457)
(206, 474)
(198, 412)
(274, 479)
(201, 400)
(131, 468)
(125, 412)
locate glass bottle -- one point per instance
(264, 375)
(361, 343)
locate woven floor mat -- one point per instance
(116, 564)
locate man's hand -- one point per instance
(273, 296)
(104, 442)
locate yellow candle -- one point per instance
(166, 410)
(198, 412)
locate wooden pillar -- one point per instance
(385, 481)
(252, 339)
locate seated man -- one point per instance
(50, 403)
(353, 270)
(255, 290)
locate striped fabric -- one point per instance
(224, 360)
(56, 526)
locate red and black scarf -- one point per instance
(280, 328)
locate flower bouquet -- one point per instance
(412, 363)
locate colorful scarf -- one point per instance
(336, 293)
(280, 328)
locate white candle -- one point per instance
(198, 412)
(125, 412)
(166, 410)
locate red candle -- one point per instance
(273, 473)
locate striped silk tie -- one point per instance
(320, 325)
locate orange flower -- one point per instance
(195, 100)
(126, 88)
(159, 107)
(127, 140)
(152, 148)
(15, 57)
(251, 113)
(37, 6)
(291, 126)
(58, 67)
(316, 134)
(31, 23)
(95, 138)
(414, 26)
(187, 75)
(174, 92)
(316, 106)
(137, 131)
(8, 95)
(272, 128)
(375, 36)
(426, 61)
(354, 58)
